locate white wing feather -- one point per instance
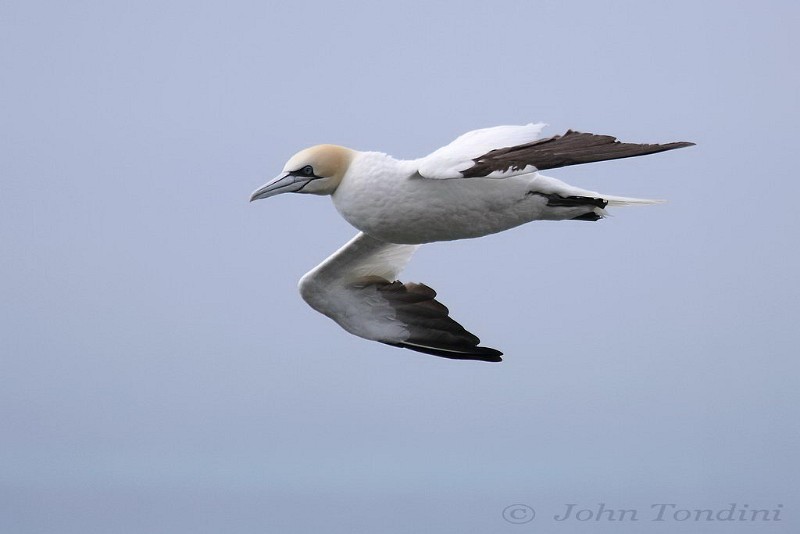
(448, 161)
(328, 287)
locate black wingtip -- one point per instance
(679, 144)
(482, 354)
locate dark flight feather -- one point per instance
(572, 148)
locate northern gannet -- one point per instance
(484, 182)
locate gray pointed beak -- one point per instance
(284, 183)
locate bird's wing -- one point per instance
(356, 287)
(451, 160)
(463, 159)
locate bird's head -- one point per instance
(317, 170)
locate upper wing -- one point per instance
(503, 160)
(354, 287)
(451, 160)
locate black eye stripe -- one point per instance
(307, 171)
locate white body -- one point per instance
(388, 199)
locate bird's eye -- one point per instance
(308, 170)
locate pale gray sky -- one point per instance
(161, 373)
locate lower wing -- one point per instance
(356, 287)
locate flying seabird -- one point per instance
(484, 182)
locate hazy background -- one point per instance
(160, 373)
